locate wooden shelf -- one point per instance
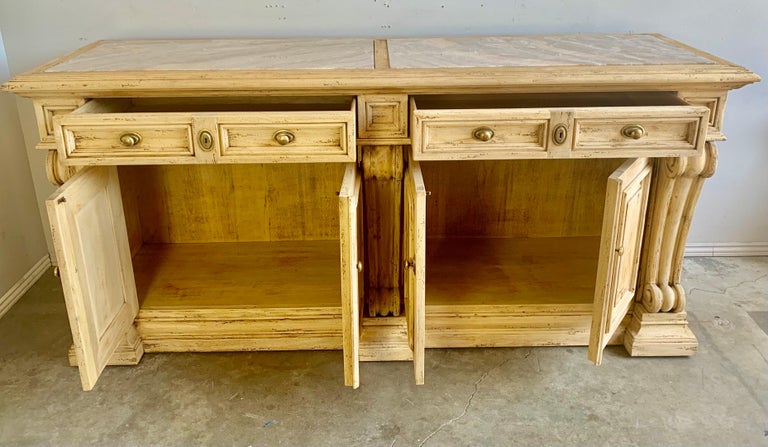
(283, 274)
(242, 296)
(494, 292)
(511, 271)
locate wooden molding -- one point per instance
(726, 249)
(21, 287)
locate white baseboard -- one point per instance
(20, 288)
(727, 249)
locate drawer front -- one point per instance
(109, 132)
(287, 137)
(635, 132)
(137, 140)
(558, 132)
(476, 134)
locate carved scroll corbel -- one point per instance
(675, 193)
(57, 173)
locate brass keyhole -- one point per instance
(560, 134)
(206, 140)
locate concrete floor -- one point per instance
(540, 396)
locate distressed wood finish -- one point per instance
(383, 190)
(673, 200)
(239, 242)
(350, 220)
(91, 242)
(620, 249)
(414, 253)
(91, 135)
(550, 69)
(45, 111)
(589, 131)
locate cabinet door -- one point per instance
(350, 224)
(91, 242)
(623, 222)
(414, 250)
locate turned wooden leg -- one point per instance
(128, 352)
(659, 326)
(383, 191)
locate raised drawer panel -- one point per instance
(299, 138)
(602, 125)
(667, 131)
(480, 134)
(105, 141)
(203, 130)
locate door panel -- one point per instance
(91, 242)
(620, 245)
(350, 224)
(414, 250)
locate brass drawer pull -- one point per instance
(283, 137)
(206, 140)
(634, 131)
(483, 133)
(130, 139)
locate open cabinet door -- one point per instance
(350, 225)
(94, 259)
(622, 236)
(414, 274)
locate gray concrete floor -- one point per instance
(540, 396)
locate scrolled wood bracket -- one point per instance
(57, 173)
(673, 200)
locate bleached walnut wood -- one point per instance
(676, 67)
(45, 111)
(383, 186)
(620, 249)
(91, 243)
(350, 220)
(93, 134)
(414, 253)
(245, 223)
(673, 200)
(56, 173)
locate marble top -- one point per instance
(222, 54)
(537, 51)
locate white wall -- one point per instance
(22, 243)
(732, 207)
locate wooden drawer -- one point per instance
(652, 124)
(161, 131)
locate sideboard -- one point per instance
(376, 196)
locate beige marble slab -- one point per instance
(537, 51)
(223, 54)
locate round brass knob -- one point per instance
(130, 139)
(634, 131)
(283, 137)
(483, 133)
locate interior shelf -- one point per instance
(284, 274)
(511, 271)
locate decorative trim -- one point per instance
(727, 249)
(25, 283)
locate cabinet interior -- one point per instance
(234, 236)
(514, 232)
